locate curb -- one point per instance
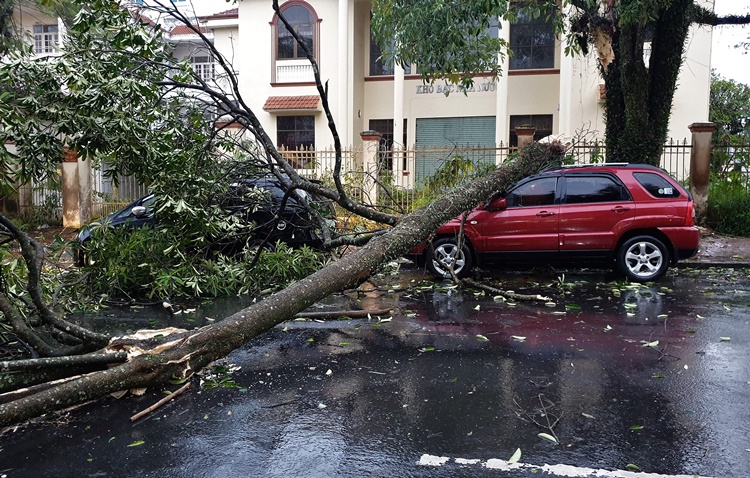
(716, 264)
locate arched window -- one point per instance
(290, 61)
(301, 20)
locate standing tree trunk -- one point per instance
(639, 97)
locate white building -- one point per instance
(542, 86)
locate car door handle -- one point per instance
(545, 214)
(620, 209)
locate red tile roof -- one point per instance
(185, 30)
(292, 102)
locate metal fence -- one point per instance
(403, 179)
(407, 178)
(110, 193)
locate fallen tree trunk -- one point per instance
(186, 354)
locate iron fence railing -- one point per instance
(401, 179)
(110, 193)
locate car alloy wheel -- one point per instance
(446, 252)
(643, 258)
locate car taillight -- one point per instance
(690, 216)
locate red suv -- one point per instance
(633, 216)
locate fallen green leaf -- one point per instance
(549, 437)
(516, 456)
(136, 443)
(636, 427)
(518, 338)
(482, 338)
(587, 415)
(631, 466)
(725, 339)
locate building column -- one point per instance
(700, 166)
(76, 190)
(565, 124)
(398, 126)
(370, 163)
(71, 214)
(343, 121)
(502, 121)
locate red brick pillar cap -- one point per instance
(702, 128)
(370, 135)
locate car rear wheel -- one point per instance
(643, 258)
(446, 252)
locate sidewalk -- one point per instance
(720, 251)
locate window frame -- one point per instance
(539, 25)
(543, 120)
(299, 155)
(46, 39)
(276, 21)
(204, 69)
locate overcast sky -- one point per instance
(728, 61)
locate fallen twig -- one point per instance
(504, 293)
(335, 314)
(158, 404)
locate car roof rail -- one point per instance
(594, 165)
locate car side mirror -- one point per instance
(497, 204)
(138, 211)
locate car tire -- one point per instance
(643, 258)
(445, 250)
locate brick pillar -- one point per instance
(70, 188)
(700, 167)
(370, 150)
(525, 135)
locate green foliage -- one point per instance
(730, 109)
(729, 204)
(451, 173)
(153, 263)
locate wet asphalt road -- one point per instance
(651, 378)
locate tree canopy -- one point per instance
(730, 109)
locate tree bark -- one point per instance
(187, 354)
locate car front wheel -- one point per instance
(446, 252)
(643, 258)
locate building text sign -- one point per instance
(448, 89)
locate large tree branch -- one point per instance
(185, 356)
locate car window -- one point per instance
(656, 185)
(585, 189)
(539, 192)
(147, 202)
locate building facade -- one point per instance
(540, 86)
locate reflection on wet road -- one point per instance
(626, 378)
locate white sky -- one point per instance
(728, 61)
